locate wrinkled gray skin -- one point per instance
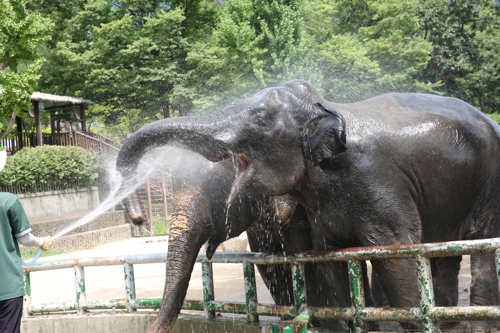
(200, 216)
(393, 169)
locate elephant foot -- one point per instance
(484, 327)
(334, 325)
(412, 327)
(453, 327)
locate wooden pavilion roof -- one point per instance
(43, 97)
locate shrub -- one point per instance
(48, 167)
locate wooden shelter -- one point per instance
(77, 105)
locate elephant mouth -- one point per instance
(244, 162)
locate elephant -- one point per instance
(399, 168)
(201, 216)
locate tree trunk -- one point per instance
(9, 128)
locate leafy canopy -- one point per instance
(21, 33)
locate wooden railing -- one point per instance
(14, 141)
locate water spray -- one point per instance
(112, 199)
(126, 186)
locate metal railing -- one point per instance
(428, 314)
(14, 141)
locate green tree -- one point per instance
(465, 38)
(127, 56)
(481, 86)
(365, 48)
(21, 33)
(255, 44)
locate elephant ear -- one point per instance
(324, 135)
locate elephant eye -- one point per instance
(262, 118)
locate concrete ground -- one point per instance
(107, 282)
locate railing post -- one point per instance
(357, 293)
(208, 288)
(150, 206)
(299, 287)
(80, 289)
(165, 202)
(27, 294)
(129, 286)
(426, 292)
(250, 292)
(497, 261)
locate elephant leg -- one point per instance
(445, 280)
(327, 285)
(278, 278)
(484, 289)
(399, 281)
(378, 295)
(369, 301)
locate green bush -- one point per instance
(48, 167)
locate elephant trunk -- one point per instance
(187, 234)
(206, 135)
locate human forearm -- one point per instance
(30, 240)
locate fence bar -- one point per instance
(400, 252)
(497, 265)
(27, 294)
(80, 288)
(301, 322)
(426, 292)
(250, 291)
(148, 303)
(53, 307)
(106, 304)
(129, 286)
(165, 202)
(356, 287)
(208, 288)
(287, 312)
(458, 313)
(299, 287)
(150, 205)
(430, 250)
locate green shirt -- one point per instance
(13, 223)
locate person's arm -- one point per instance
(28, 239)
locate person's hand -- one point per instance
(47, 243)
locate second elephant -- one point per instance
(202, 217)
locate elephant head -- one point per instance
(295, 113)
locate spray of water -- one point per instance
(112, 200)
(159, 159)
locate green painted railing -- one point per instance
(428, 314)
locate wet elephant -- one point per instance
(201, 216)
(393, 169)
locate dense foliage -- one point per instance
(21, 32)
(48, 167)
(142, 60)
